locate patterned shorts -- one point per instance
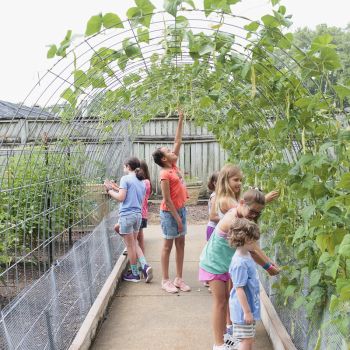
(242, 331)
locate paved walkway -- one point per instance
(143, 317)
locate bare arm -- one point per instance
(114, 191)
(261, 258)
(242, 298)
(213, 215)
(178, 135)
(269, 197)
(119, 196)
(164, 184)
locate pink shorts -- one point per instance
(205, 276)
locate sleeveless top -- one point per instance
(217, 254)
(211, 223)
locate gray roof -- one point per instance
(9, 110)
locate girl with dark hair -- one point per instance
(130, 193)
(144, 212)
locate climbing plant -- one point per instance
(274, 107)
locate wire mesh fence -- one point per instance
(304, 331)
(48, 313)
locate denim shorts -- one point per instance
(130, 223)
(169, 224)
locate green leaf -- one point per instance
(315, 277)
(131, 48)
(342, 91)
(270, 21)
(298, 302)
(344, 248)
(145, 5)
(94, 25)
(334, 303)
(322, 41)
(170, 6)
(344, 182)
(70, 96)
(206, 48)
(65, 43)
(205, 102)
(190, 2)
(111, 20)
(143, 35)
(96, 78)
(307, 212)
(252, 27)
(274, 2)
(216, 5)
(80, 79)
(52, 51)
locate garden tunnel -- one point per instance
(272, 107)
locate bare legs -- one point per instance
(179, 256)
(219, 291)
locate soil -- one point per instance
(196, 214)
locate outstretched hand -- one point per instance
(273, 270)
(180, 113)
(269, 197)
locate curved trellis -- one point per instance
(243, 80)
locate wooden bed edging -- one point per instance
(279, 336)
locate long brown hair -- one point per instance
(144, 167)
(223, 190)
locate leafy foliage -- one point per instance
(38, 198)
(277, 109)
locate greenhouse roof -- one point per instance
(9, 110)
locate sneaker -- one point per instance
(129, 277)
(125, 251)
(206, 284)
(179, 283)
(230, 341)
(147, 273)
(169, 287)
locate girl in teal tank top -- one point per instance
(216, 257)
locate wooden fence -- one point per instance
(200, 153)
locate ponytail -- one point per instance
(134, 164)
(140, 174)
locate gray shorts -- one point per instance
(242, 331)
(130, 223)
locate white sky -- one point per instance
(26, 27)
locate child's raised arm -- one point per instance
(178, 134)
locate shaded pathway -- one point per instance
(142, 316)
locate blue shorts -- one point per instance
(169, 224)
(130, 223)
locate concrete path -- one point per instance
(144, 317)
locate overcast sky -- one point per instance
(27, 27)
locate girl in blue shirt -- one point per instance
(244, 299)
(130, 193)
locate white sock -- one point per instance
(219, 347)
